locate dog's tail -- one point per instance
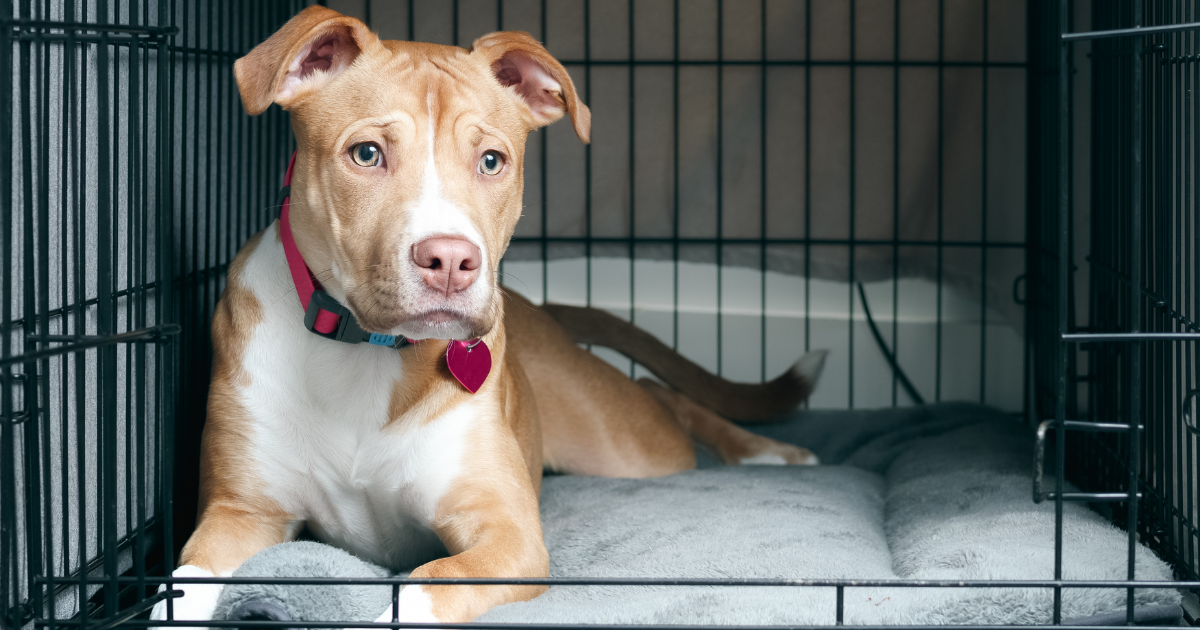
(736, 401)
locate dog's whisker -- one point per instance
(500, 274)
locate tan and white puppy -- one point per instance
(407, 188)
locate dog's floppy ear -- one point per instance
(304, 55)
(517, 60)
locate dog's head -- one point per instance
(409, 168)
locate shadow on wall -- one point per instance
(758, 337)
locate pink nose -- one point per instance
(448, 264)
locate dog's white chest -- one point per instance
(322, 444)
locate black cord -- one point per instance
(887, 354)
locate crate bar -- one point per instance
(395, 603)
(796, 62)
(807, 176)
(216, 54)
(46, 28)
(29, 434)
(74, 343)
(263, 186)
(650, 581)
(166, 306)
(1158, 439)
(762, 189)
(221, 146)
(180, 112)
(1154, 438)
(245, 195)
(1127, 337)
(42, 389)
(1081, 425)
(106, 365)
(279, 625)
(587, 153)
(236, 191)
(632, 178)
(80, 271)
(720, 243)
(983, 222)
(675, 177)
(1135, 307)
(209, 211)
(140, 375)
(1131, 32)
(940, 193)
(68, 161)
(1092, 497)
(544, 178)
(8, 545)
(114, 40)
(133, 256)
(700, 240)
(852, 201)
(195, 296)
(65, 162)
(1163, 443)
(1102, 427)
(1097, 121)
(1064, 264)
(895, 355)
(1192, 272)
(90, 27)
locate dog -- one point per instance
(406, 408)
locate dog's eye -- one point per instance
(366, 154)
(491, 163)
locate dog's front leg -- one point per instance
(492, 531)
(225, 537)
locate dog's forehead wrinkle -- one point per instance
(447, 69)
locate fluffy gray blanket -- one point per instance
(939, 492)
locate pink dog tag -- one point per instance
(469, 362)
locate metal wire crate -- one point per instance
(1056, 191)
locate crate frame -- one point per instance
(172, 285)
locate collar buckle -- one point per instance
(348, 330)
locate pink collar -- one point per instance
(323, 315)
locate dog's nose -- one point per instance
(448, 264)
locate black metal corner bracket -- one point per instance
(1039, 461)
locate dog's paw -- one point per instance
(198, 601)
(415, 607)
(780, 454)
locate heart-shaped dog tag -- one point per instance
(469, 362)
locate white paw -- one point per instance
(767, 459)
(415, 607)
(198, 601)
(779, 454)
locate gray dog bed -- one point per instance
(939, 492)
